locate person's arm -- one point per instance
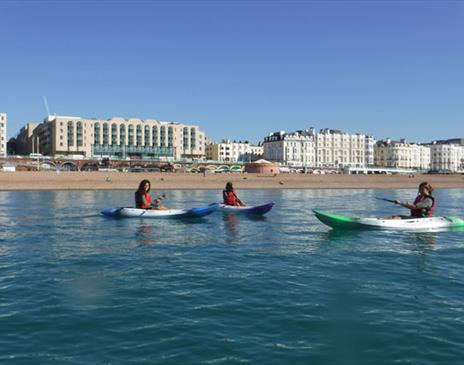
(405, 204)
(426, 203)
(158, 199)
(240, 203)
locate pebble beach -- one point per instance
(50, 180)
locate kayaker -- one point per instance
(229, 196)
(143, 199)
(422, 207)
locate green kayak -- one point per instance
(412, 224)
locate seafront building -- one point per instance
(232, 151)
(3, 125)
(337, 149)
(25, 141)
(447, 157)
(328, 148)
(296, 149)
(402, 155)
(114, 138)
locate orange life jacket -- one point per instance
(229, 198)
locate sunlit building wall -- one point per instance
(232, 151)
(117, 137)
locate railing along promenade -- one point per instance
(22, 163)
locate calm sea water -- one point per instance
(79, 288)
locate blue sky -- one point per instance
(239, 69)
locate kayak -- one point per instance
(254, 209)
(125, 212)
(414, 224)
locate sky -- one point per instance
(239, 69)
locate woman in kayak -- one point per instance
(143, 199)
(423, 206)
(229, 196)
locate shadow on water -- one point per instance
(340, 235)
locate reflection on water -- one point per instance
(231, 226)
(145, 234)
(340, 235)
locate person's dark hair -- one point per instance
(229, 186)
(142, 184)
(426, 185)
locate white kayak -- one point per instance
(410, 224)
(126, 212)
(252, 209)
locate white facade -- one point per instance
(336, 149)
(231, 151)
(293, 149)
(421, 157)
(3, 125)
(369, 151)
(447, 157)
(328, 148)
(401, 154)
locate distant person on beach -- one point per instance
(229, 196)
(422, 207)
(143, 199)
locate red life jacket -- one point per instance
(139, 201)
(230, 198)
(423, 212)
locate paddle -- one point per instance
(387, 200)
(158, 199)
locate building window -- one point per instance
(96, 132)
(154, 136)
(70, 133)
(105, 134)
(139, 135)
(122, 134)
(131, 135)
(79, 134)
(163, 136)
(147, 135)
(170, 134)
(114, 134)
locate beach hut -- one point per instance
(262, 167)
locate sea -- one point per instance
(80, 288)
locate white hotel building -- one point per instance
(232, 151)
(327, 149)
(293, 149)
(447, 157)
(3, 124)
(115, 137)
(402, 155)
